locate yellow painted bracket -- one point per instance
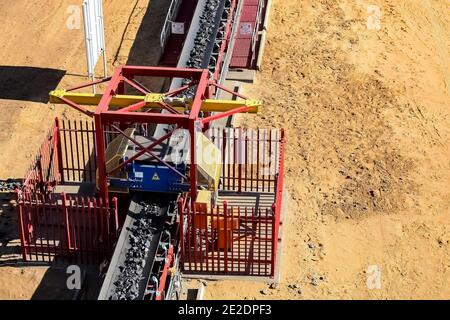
(226, 105)
(154, 100)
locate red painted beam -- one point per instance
(221, 115)
(134, 107)
(77, 107)
(87, 84)
(179, 90)
(199, 94)
(134, 85)
(110, 91)
(130, 71)
(237, 94)
(163, 278)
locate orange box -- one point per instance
(201, 219)
(232, 223)
(225, 239)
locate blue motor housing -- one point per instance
(152, 178)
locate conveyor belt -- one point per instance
(130, 268)
(201, 39)
(206, 35)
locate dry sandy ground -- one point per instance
(19, 283)
(368, 160)
(368, 127)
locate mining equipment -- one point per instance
(154, 185)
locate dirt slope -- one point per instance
(367, 163)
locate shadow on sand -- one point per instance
(28, 83)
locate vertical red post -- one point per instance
(239, 244)
(66, 215)
(189, 235)
(78, 246)
(274, 239)
(101, 232)
(101, 157)
(193, 164)
(239, 159)
(225, 216)
(40, 173)
(84, 230)
(107, 230)
(211, 216)
(217, 236)
(116, 215)
(278, 200)
(21, 227)
(225, 174)
(89, 230)
(207, 126)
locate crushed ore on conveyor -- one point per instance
(142, 231)
(10, 185)
(201, 42)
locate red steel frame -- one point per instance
(160, 291)
(257, 235)
(104, 116)
(73, 227)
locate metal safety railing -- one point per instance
(56, 226)
(230, 240)
(251, 159)
(44, 171)
(171, 15)
(77, 144)
(240, 234)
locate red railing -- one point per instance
(77, 143)
(54, 225)
(44, 170)
(229, 241)
(67, 155)
(239, 235)
(250, 158)
(277, 208)
(57, 226)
